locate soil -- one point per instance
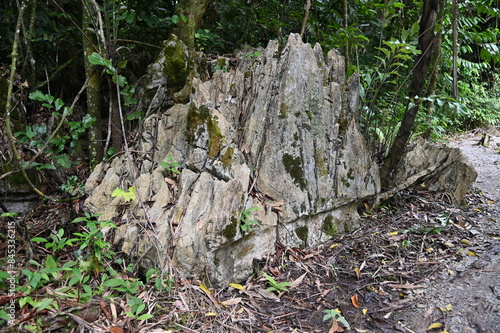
(418, 264)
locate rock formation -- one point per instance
(274, 141)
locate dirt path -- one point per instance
(465, 297)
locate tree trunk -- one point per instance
(435, 70)
(455, 49)
(426, 44)
(193, 10)
(93, 87)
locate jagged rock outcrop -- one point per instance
(279, 133)
(448, 170)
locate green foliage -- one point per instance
(58, 241)
(137, 306)
(335, 315)
(162, 282)
(129, 195)
(127, 91)
(92, 240)
(275, 286)
(171, 165)
(73, 186)
(246, 222)
(208, 41)
(59, 148)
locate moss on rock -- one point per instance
(231, 229)
(302, 233)
(293, 165)
(197, 119)
(329, 227)
(175, 64)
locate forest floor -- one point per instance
(419, 264)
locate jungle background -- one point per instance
(68, 101)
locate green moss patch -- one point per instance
(293, 165)
(329, 227)
(302, 233)
(227, 157)
(197, 120)
(230, 230)
(175, 65)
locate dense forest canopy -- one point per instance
(380, 40)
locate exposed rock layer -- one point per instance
(275, 141)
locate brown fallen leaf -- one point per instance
(115, 329)
(354, 300)
(298, 281)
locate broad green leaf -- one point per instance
(113, 283)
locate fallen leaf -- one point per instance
(334, 245)
(236, 286)
(354, 300)
(231, 301)
(298, 281)
(472, 253)
(204, 288)
(210, 314)
(115, 329)
(334, 328)
(365, 311)
(357, 271)
(465, 241)
(478, 210)
(394, 233)
(434, 325)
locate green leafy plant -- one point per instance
(246, 222)
(92, 239)
(56, 147)
(73, 186)
(335, 315)
(275, 286)
(58, 241)
(137, 306)
(129, 195)
(253, 54)
(161, 283)
(127, 91)
(171, 165)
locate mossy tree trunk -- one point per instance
(426, 44)
(93, 86)
(193, 11)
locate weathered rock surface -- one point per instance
(279, 133)
(450, 171)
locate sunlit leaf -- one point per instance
(236, 286)
(204, 288)
(434, 325)
(357, 271)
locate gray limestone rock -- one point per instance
(279, 133)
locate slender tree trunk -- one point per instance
(455, 49)
(306, 17)
(93, 87)
(437, 61)
(347, 46)
(193, 10)
(426, 44)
